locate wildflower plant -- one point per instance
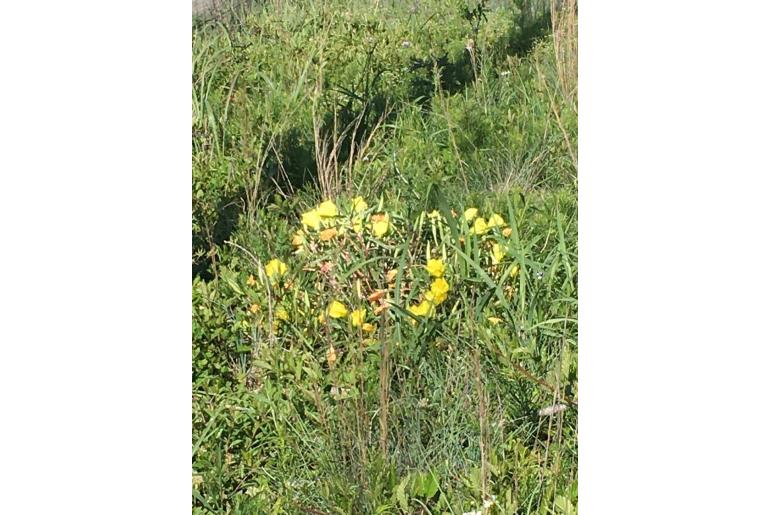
(366, 293)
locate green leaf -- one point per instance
(401, 494)
(429, 485)
(234, 286)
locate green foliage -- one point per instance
(289, 411)
(431, 403)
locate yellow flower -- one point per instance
(331, 355)
(368, 328)
(435, 267)
(470, 213)
(438, 291)
(479, 226)
(439, 286)
(497, 254)
(495, 221)
(251, 281)
(337, 309)
(254, 308)
(275, 268)
(359, 204)
(357, 224)
(422, 309)
(391, 275)
(299, 238)
(435, 298)
(282, 314)
(507, 232)
(494, 320)
(434, 215)
(327, 234)
(380, 224)
(311, 219)
(357, 317)
(327, 209)
(514, 270)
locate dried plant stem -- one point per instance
(384, 392)
(482, 426)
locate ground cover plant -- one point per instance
(384, 258)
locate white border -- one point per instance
(673, 187)
(95, 212)
(95, 203)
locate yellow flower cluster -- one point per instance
(357, 317)
(275, 269)
(328, 226)
(438, 292)
(480, 225)
(328, 222)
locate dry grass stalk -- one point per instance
(335, 176)
(564, 25)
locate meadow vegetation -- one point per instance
(384, 268)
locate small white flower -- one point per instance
(505, 73)
(406, 44)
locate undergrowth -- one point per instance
(385, 258)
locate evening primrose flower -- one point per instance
(368, 328)
(311, 219)
(497, 254)
(337, 309)
(435, 267)
(438, 291)
(327, 209)
(495, 221)
(439, 286)
(435, 298)
(357, 224)
(380, 224)
(507, 232)
(470, 214)
(480, 226)
(357, 317)
(422, 309)
(359, 204)
(275, 268)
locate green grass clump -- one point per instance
(384, 260)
